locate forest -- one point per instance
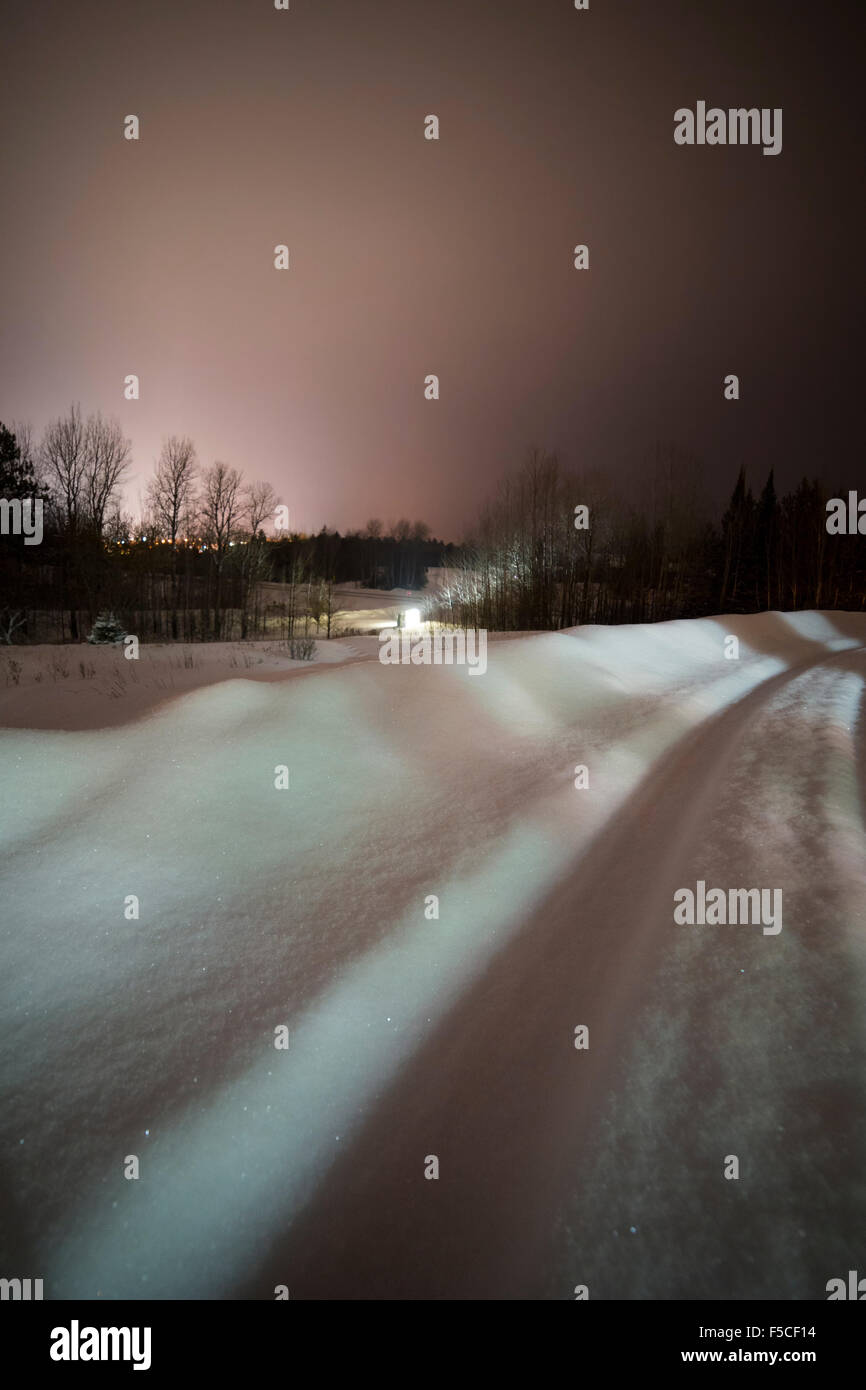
(557, 547)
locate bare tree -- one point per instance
(63, 456)
(222, 504)
(119, 526)
(171, 489)
(321, 604)
(261, 501)
(171, 502)
(10, 621)
(222, 508)
(106, 461)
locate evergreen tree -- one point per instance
(16, 473)
(107, 630)
(737, 532)
(766, 543)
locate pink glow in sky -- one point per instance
(411, 257)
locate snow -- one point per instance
(451, 1036)
(361, 610)
(84, 687)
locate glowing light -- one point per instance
(412, 617)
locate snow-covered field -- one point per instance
(84, 687)
(412, 1036)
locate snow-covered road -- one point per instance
(413, 1036)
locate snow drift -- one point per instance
(413, 1035)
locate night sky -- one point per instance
(454, 257)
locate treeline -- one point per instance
(396, 558)
(197, 566)
(556, 548)
(654, 555)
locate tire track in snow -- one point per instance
(510, 1108)
(208, 1226)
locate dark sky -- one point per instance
(410, 256)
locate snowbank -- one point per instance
(413, 1034)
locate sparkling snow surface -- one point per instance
(453, 1037)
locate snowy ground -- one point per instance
(84, 687)
(453, 1037)
(366, 610)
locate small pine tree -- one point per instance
(106, 630)
(16, 472)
